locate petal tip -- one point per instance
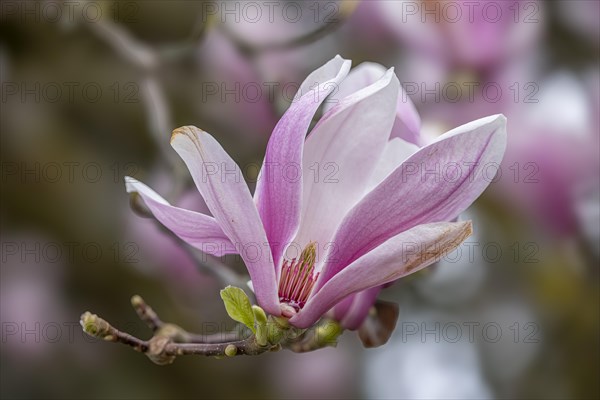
(501, 132)
(339, 58)
(460, 231)
(468, 228)
(130, 183)
(187, 130)
(500, 118)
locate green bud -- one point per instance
(230, 350)
(259, 315)
(327, 332)
(282, 322)
(136, 301)
(276, 329)
(95, 326)
(261, 325)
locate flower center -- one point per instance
(298, 278)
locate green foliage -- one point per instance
(238, 306)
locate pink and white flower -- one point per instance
(381, 216)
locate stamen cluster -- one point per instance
(298, 278)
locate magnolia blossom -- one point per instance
(348, 208)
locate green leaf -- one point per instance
(238, 306)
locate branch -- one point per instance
(137, 54)
(170, 340)
(160, 124)
(146, 313)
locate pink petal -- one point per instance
(397, 257)
(332, 73)
(199, 230)
(340, 155)
(466, 159)
(226, 194)
(407, 124)
(360, 77)
(360, 307)
(408, 121)
(395, 153)
(341, 309)
(279, 187)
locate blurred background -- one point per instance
(92, 90)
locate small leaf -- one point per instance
(238, 306)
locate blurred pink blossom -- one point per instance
(553, 161)
(32, 306)
(475, 34)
